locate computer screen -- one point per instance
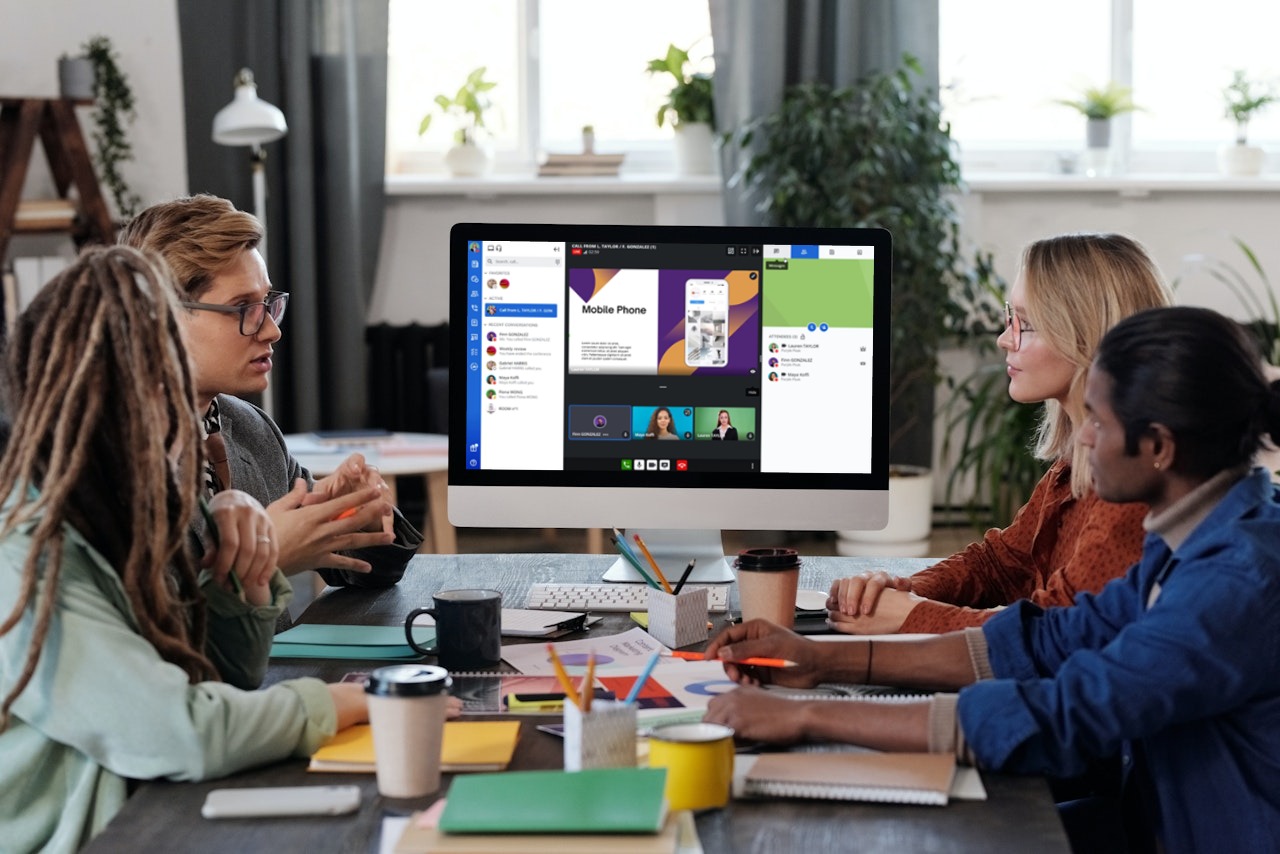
(674, 380)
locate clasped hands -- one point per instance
(245, 544)
(873, 603)
(346, 510)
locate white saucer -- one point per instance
(811, 600)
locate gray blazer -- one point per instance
(261, 465)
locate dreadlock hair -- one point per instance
(105, 439)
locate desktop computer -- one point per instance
(671, 380)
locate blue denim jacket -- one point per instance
(1192, 680)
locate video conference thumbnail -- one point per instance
(620, 423)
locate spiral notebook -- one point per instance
(898, 778)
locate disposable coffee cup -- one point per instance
(406, 712)
(767, 584)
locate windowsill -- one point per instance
(527, 184)
(1132, 185)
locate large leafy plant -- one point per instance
(876, 154)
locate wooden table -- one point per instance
(397, 455)
(1019, 814)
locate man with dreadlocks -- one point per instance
(342, 525)
(111, 634)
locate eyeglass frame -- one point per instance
(281, 297)
(1014, 323)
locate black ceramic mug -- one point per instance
(468, 628)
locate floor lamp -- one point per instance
(250, 121)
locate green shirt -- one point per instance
(103, 707)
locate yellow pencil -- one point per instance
(657, 570)
(563, 677)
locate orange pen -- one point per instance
(754, 661)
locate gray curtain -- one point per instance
(764, 46)
(324, 63)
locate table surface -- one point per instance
(1019, 814)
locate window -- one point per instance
(1003, 63)
(558, 65)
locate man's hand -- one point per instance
(762, 638)
(246, 544)
(757, 715)
(313, 529)
(354, 475)
(889, 615)
(860, 593)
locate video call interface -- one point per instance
(668, 357)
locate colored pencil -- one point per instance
(562, 676)
(657, 570)
(588, 681)
(643, 678)
(684, 576)
(630, 557)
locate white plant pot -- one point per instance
(1241, 160)
(467, 160)
(694, 149)
(910, 519)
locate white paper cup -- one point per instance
(406, 712)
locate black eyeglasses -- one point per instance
(252, 315)
(1012, 322)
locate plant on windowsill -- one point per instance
(113, 111)
(1099, 105)
(690, 108)
(1243, 99)
(878, 154)
(467, 107)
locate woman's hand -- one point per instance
(313, 528)
(245, 544)
(890, 613)
(859, 594)
(356, 475)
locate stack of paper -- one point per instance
(318, 640)
(901, 778)
(467, 746)
(581, 164)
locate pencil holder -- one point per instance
(604, 737)
(677, 621)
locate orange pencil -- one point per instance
(562, 677)
(657, 570)
(587, 682)
(754, 661)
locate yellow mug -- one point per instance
(699, 762)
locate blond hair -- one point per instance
(105, 439)
(199, 236)
(1077, 287)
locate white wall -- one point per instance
(145, 35)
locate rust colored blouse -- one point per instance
(1056, 547)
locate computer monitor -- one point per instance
(670, 380)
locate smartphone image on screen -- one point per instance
(281, 801)
(706, 312)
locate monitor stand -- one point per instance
(673, 549)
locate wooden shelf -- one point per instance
(84, 215)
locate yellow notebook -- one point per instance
(468, 746)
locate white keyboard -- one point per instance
(612, 597)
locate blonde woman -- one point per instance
(1070, 290)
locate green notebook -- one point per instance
(601, 800)
(318, 640)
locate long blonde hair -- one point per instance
(1077, 287)
(105, 439)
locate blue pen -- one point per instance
(642, 678)
(630, 557)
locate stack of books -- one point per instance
(580, 164)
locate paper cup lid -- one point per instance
(767, 559)
(408, 680)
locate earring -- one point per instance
(1157, 465)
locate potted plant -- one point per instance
(1099, 105)
(691, 109)
(1243, 98)
(878, 154)
(113, 111)
(467, 107)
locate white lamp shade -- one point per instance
(248, 120)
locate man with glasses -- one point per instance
(341, 525)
